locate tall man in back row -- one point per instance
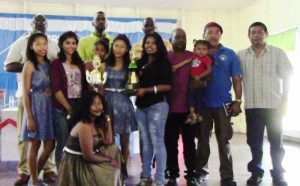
(148, 27)
(87, 43)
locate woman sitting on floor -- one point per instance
(89, 157)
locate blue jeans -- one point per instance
(257, 120)
(62, 128)
(151, 122)
(62, 131)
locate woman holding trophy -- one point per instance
(155, 77)
(117, 101)
(68, 83)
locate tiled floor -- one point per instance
(241, 156)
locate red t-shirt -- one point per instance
(199, 64)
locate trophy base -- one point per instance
(130, 92)
(131, 89)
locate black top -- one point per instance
(155, 73)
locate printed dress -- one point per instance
(41, 106)
(117, 102)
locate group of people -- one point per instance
(179, 92)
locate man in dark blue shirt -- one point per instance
(225, 72)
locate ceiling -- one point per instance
(159, 4)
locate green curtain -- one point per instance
(285, 40)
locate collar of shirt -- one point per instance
(106, 35)
(265, 50)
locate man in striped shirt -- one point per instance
(266, 78)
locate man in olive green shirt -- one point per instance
(86, 44)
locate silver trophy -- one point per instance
(95, 77)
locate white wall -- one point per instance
(276, 14)
(192, 21)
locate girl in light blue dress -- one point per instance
(37, 124)
(117, 102)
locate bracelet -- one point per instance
(238, 100)
(68, 116)
(107, 118)
(155, 89)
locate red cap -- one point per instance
(213, 24)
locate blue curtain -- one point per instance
(15, 25)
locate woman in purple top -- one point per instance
(68, 83)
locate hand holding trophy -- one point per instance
(96, 78)
(132, 83)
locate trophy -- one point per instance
(95, 77)
(132, 83)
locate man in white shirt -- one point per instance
(266, 78)
(148, 27)
(14, 63)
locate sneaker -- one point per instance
(22, 179)
(192, 182)
(39, 183)
(199, 119)
(278, 178)
(196, 120)
(279, 181)
(172, 182)
(49, 177)
(191, 119)
(145, 182)
(202, 177)
(158, 184)
(254, 180)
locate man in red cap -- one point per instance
(226, 71)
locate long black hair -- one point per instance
(111, 61)
(30, 54)
(161, 54)
(82, 110)
(76, 59)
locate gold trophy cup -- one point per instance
(95, 77)
(132, 83)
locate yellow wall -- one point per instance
(276, 14)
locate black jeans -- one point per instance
(224, 132)
(174, 126)
(257, 120)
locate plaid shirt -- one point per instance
(263, 75)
